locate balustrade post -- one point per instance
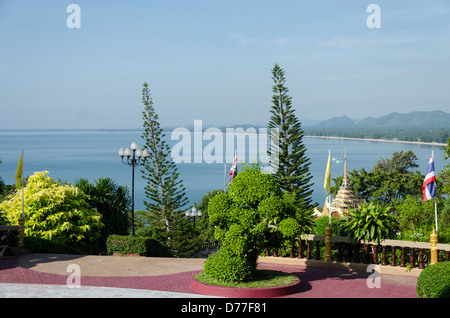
(275, 252)
(300, 249)
(393, 258)
(421, 266)
(317, 250)
(357, 253)
(292, 249)
(366, 254)
(402, 258)
(339, 255)
(375, 254)
(308, 249)
(383, 258)
(411, 257)
(348, 257)
(447, 254)
(434, 251)
(327, 256)
(267, 251)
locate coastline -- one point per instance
(382, 140)
(6, 132)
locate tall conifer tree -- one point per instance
(164, 190)
(293, 172)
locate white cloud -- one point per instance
(244, 40)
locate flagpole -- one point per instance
(225, 175)
(435, 203)
(23, 196)
(21, 220)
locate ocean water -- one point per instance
(70, 155)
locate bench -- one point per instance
(4, 247)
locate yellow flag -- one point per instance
(327, 182)
(19, 173)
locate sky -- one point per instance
(211, 60)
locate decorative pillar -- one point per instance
(402, 257)
(292, 249)
(434, 250)
(375, 254)
(21, 231)
(383, 258)
(393, 260)
(327, 256)
(317, 257)
(308, 249)
(366, 259)
(421, 266)
(300, 249)
(411, 257)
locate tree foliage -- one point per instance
(390, 180)
(165, 192)
(112, 202)
(293, 172)
(395, 184)
(54, 211)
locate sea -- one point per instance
(71, 155)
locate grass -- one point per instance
(261, 279)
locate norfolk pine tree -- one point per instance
(293, 172)
(164, 190)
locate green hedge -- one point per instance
(40, 245)
(434, 281)
(143, 246)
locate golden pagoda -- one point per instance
(345, 199)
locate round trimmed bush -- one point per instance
(225, 266)
(434, 281)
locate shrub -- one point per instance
(228, 267)
(434, 281)
(370, 222)
(337, 225)
(40, 245)
(55, 211)
(113, 203)
(136, 245)
(254, 214)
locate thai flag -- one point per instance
(233, 171)
(429, 184)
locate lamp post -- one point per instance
(193, 213)
(135, 157)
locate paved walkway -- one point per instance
(46, 275)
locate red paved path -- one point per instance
(316, 282)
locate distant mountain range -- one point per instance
(431, 119)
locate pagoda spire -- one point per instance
(345, 180)
(345, 198)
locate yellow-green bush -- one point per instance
(54, 211)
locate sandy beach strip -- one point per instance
(382, 140)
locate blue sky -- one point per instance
(211, 60)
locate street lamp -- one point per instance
(135, 157)
(193, 213)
